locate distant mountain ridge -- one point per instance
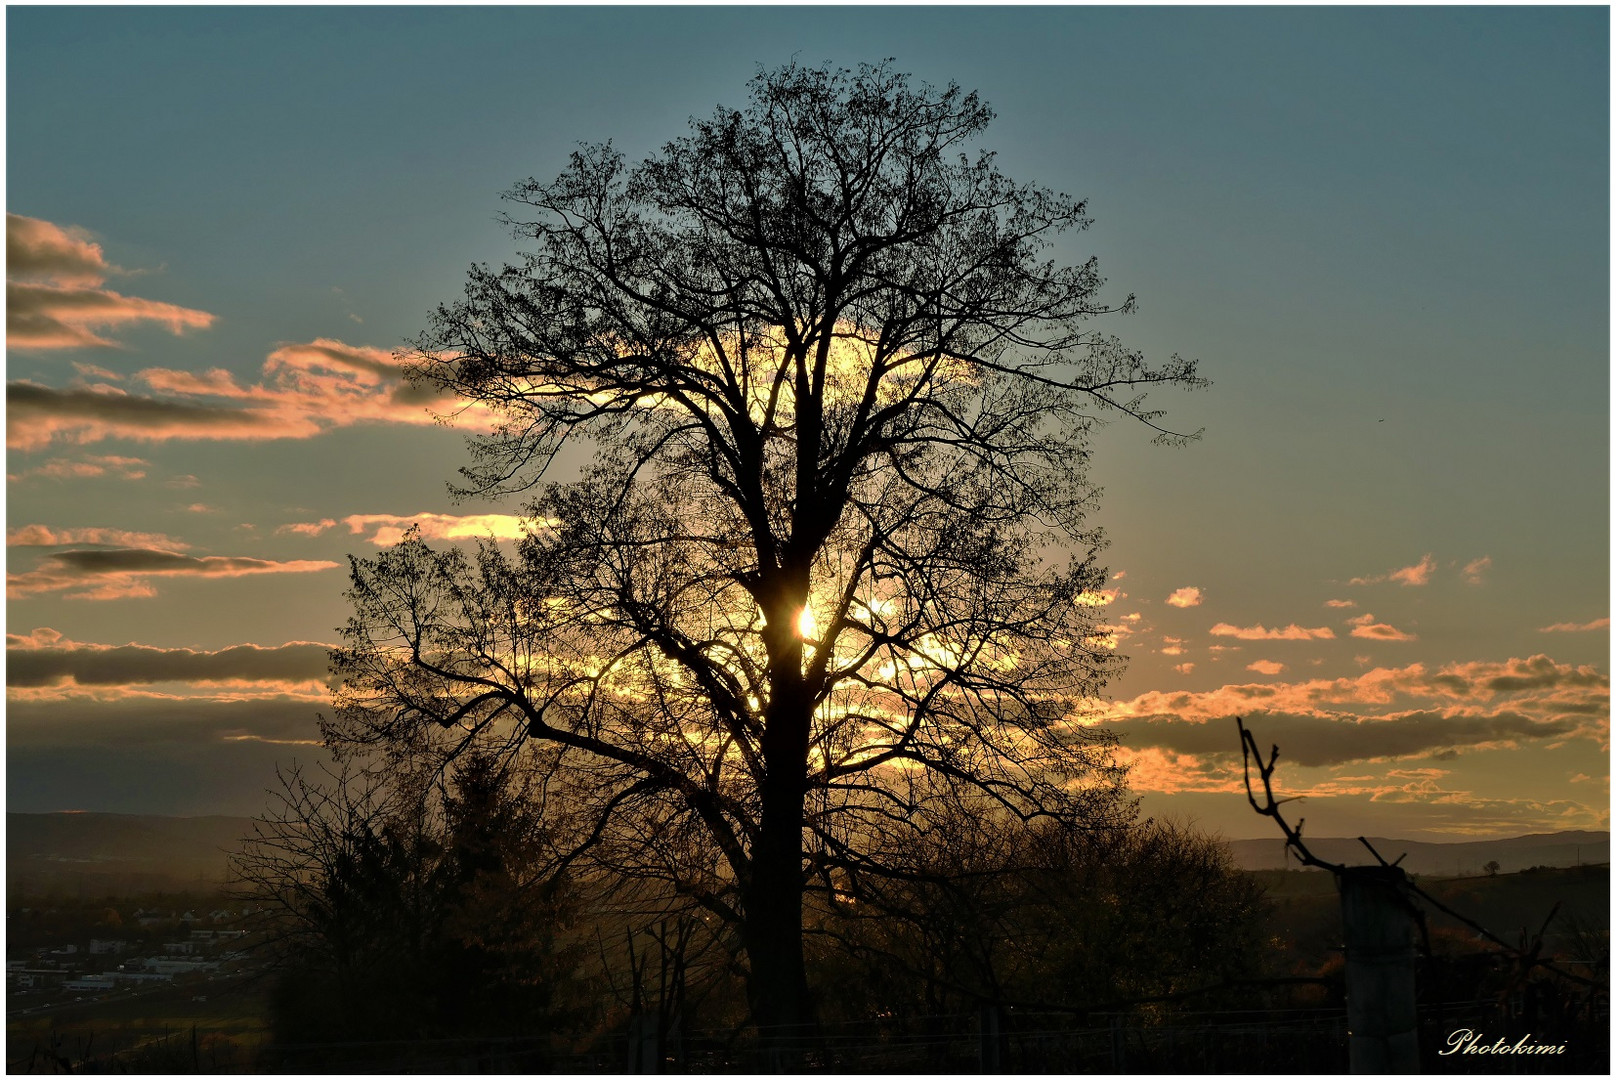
(1457, 859)
(88, 854)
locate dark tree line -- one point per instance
(402, 913)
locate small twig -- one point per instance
(1372, 849)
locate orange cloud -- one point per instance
(1474, 572)
(388, 529)
(1338, 603)
(1185, 669)
(1385, 714)
(1536, 685)
(1267, 667)
(305, 390)
(1257, 632)
(1365, 627)
(118, 573)
(1574, 628)
(1190, 596)
(45, 536)
(1406, 575)
(1099, 598)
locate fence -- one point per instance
(1272, 1041)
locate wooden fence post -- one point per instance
(1380, 983)
(989, 1039)
(644, 1056)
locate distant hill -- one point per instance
(121, 854)
(1437, 859)
(117, 854)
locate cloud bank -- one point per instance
(39, 661)
(119, 573)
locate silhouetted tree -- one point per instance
(830, 563)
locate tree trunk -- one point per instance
(774, 930)
(773, 909)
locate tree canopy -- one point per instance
(828, 578)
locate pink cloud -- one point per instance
(45, 536)
(1474, 572)
(120, 573)
(91, 371)
(1257, 632)
(1574, 628)
(1338, 603)
(42, 316)
(1190, 596)
(37, 415)
(53, 294)
(305, 390)
(66, 255)
(124, 468)
(1267, 667)
(1365, 627)
(305, 528)
(1406, 575)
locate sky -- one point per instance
(1382, 232)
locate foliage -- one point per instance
(396, 914)
(1058, 919)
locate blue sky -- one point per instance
(1383, 232)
